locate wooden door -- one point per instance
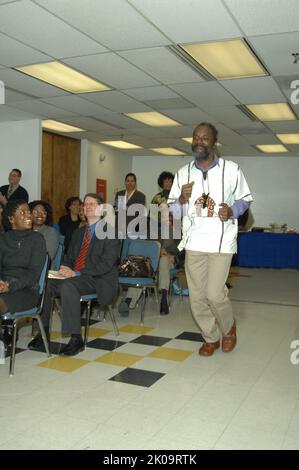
(60, 171)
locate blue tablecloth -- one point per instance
(268, 250)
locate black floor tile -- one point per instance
(191, 336)
(143, 378)
(151, 340)
(107, 344)
(91, 321)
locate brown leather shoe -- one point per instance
(229, 340)
(208, 349)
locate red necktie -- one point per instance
(80, 263)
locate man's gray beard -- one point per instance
(203, 155)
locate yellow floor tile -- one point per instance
(119, 359)
(170, 354)
(63, 364)
(55, 335)
(136, 329)
(96, 332)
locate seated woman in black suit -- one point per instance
(22, 256)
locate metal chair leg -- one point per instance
(87, 322)
(112, 317)
(44, 336)
(13, 348)
(142, 305)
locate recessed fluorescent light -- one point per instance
(272, 148)
(60, 126)
(153, 119)
(63, 77)
(120, 144)
(168, 151)
(188, 139)
(272, 111)
(226, 59)
(288, 138)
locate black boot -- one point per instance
(164, 309)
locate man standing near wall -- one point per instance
(213, 194)
(13, 190)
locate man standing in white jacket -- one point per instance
(213, 193)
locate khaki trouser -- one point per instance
(210, 306)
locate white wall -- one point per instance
(20, 147)
(273, 181)
(114, 168)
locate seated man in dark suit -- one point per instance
(13, 190)
(89, 266)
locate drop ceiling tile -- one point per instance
(276, 50)
(13, 53)
(230, 116)
(269, 16)
(86, 123)
(151, 93)
(191, 22)
(114, 23)
(40, 109)
(162, 64)
(115, 101)
(75, 104)
(112, 70)
(34, 26)
(172, 103)
(205, 94)
(23, 83)
(12, 114)
(12, 95)
(283, 126)
(254, 90)
(261, 139)
(189, 116)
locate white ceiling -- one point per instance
(125, 44)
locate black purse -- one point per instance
(136, 266)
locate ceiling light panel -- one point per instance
(59, 126)
(168, 151)
(288, 138)
(153, 119)
(226, 59)
(272, 111)
(272, 148)
(63, 77)
(120, 144)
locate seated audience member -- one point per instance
(1, 217)
(90, 266)
(165, 181)
(69, 222)
(13, 190)
(126, 198)
(41, 213)
(22, 256)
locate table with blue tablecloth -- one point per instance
(268, 250)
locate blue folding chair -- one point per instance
(88, 298)
(56, 262)
(149, 248)
(33, 313)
